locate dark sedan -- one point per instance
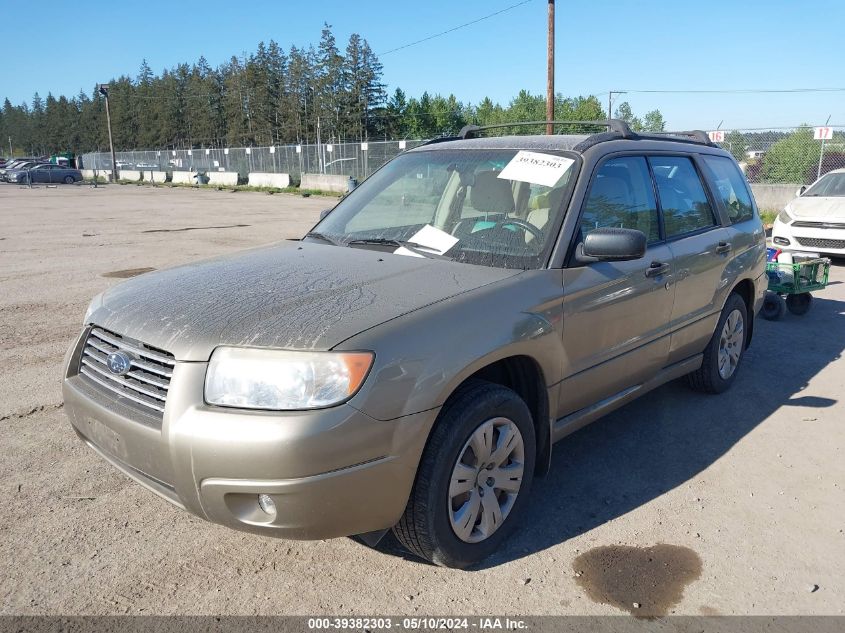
(46, 173)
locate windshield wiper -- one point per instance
(419, 249)
(320, 236)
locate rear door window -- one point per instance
(731, 188)
(683, 201)
(621, 195)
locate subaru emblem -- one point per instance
(119, 363)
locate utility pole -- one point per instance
(104, 90)
(550, 62)
(10, 147)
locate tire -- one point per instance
(799, 304)
(436, 504)
(774, 307)
(725, 349)
(69, 180)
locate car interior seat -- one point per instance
(488, 195)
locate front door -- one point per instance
(616, 314)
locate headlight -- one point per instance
(283, 380)
(784, 216)
(95, 305)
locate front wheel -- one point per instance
(723, 353)
(474, 476)
(69, 180)
(774, 307)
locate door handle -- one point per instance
(656, 269)
(723, 248)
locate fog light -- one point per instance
(266, 503)
(781, 240)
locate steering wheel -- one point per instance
(525, 226)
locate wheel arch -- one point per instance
(523, 375)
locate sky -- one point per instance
(614, 45)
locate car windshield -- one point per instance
(492, 207)
(831, 185)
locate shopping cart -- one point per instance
(791, 282)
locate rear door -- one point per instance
(616, 314)
(701, 250)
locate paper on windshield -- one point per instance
(430, 237)
(536, 168)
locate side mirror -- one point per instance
(801, 191)
(613, 245)
(324, 213)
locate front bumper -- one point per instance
(827, 241)
(331, 472)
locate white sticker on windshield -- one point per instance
(432, 239)
(536, 168)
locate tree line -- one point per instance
(270, 97)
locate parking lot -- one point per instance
(741, 497)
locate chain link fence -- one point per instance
(766, 155)
(357, 160)
(787, 155)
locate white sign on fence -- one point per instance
(717, 136)
(823, 133)
(365, 147)
(190, 153)
(402, 144)
(226, 150)
(248, 150)
(207, 152)
(272, 149)
(299, 149)
(329, 148)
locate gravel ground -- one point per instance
(741, 497)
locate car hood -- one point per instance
(291, 296)
(822, 208)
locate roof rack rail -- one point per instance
(613, 125)
(699, 136)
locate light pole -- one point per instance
(104, 90)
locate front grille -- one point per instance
(818, 225)
(146, 383)
(813, 242)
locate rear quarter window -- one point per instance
(730, 187)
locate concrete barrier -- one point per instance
(773, 197)
(223, 178)
(324, 182)
(130, 174)
(88, 174)
(261, 179)
(184, 177)
(155, 176)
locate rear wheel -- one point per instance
(69, 180)
(473, 479)
(799, 304)
(723, 353)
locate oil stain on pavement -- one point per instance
(645, 581)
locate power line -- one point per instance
(456, 28)
(735, 91)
